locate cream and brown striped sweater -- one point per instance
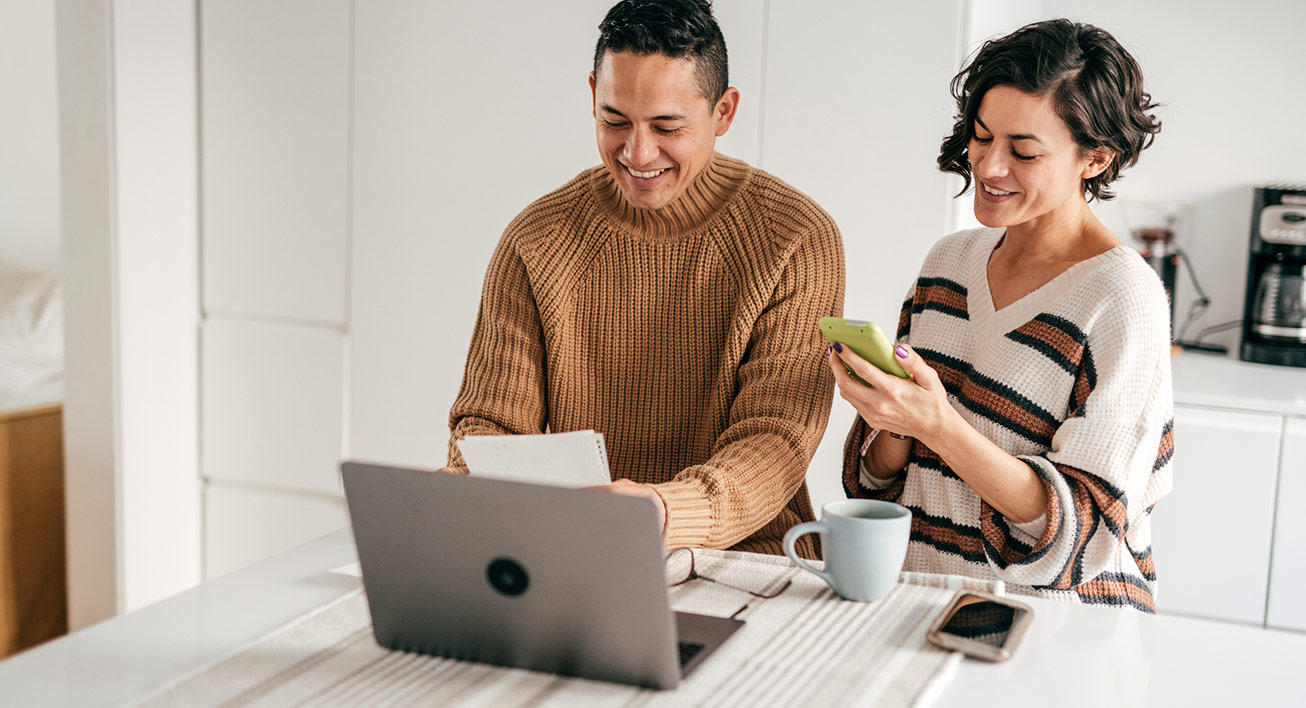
(1073, 379)
(686, 335)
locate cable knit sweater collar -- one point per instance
(704, 198)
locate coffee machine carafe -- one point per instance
(1274, 311)
(1157, 227)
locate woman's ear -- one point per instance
(1098, 161)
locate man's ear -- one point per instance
(1098, 161)
(594, 98)
(723, 114)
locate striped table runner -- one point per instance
(803, 647)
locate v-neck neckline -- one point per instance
(980, 298)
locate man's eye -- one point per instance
(610, 124)
(667, 131)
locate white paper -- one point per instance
(575, 459)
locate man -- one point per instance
(667, 298)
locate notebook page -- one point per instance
(575, 459)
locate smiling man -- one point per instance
(667, 298)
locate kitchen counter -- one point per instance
(1223, 381)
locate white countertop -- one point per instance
(1073, 655)
(1221, 381)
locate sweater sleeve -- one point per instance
(1108, 461)
(503, 387)
(779, 411)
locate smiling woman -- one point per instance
(1034, 437)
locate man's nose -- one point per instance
(641, 148)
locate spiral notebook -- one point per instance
(574, 459)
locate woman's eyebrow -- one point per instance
(1016, 136)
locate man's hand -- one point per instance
(454, 470)
(632, 489)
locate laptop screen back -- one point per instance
(558, 580)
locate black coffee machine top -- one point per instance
(1274, 306)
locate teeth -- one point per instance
(994, 192)
(647, 175)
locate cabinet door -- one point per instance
(272, 404)
(274, 102)
(1288, 569)
(1211, 535)
(244, 525)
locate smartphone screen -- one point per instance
(981, 620)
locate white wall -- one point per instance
(128, 179)
(856, 104)
(29, 132)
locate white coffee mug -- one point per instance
(864, 542)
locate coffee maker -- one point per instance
(1274, 307)
(1157, 227)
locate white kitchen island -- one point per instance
(1072, 656)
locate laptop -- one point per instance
(566, 581)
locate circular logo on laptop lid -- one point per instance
(507, 576)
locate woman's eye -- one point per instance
(981, 141)
(1019, 156)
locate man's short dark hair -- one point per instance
(672, 28)
(1095, 85)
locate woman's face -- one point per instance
(1024, 159)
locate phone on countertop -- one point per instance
(981, 625)
(867, 340)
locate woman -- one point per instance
(1035, 435)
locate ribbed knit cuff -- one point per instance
(455, 457)
(689, 514)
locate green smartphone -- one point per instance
(867, 340)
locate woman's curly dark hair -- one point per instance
(1095, 85)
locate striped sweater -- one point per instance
(1074, 380)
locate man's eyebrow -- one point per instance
(609, 109)
(1017, 136)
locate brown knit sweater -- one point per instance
(686, 335)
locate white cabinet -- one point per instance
(243, 525)
(1212, 534)
(272, 404)
(274, 85)
(1286, 609)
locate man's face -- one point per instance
(655, 128)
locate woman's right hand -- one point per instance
(917, 407)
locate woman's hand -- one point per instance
(917, 407)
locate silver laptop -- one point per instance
(567, 581)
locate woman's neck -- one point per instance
(1069, 233)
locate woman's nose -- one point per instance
(989, 163)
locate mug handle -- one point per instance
(800, 530)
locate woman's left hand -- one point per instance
(917, 407)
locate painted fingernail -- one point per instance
(838, 347)
(829, 350)
(902, 351)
